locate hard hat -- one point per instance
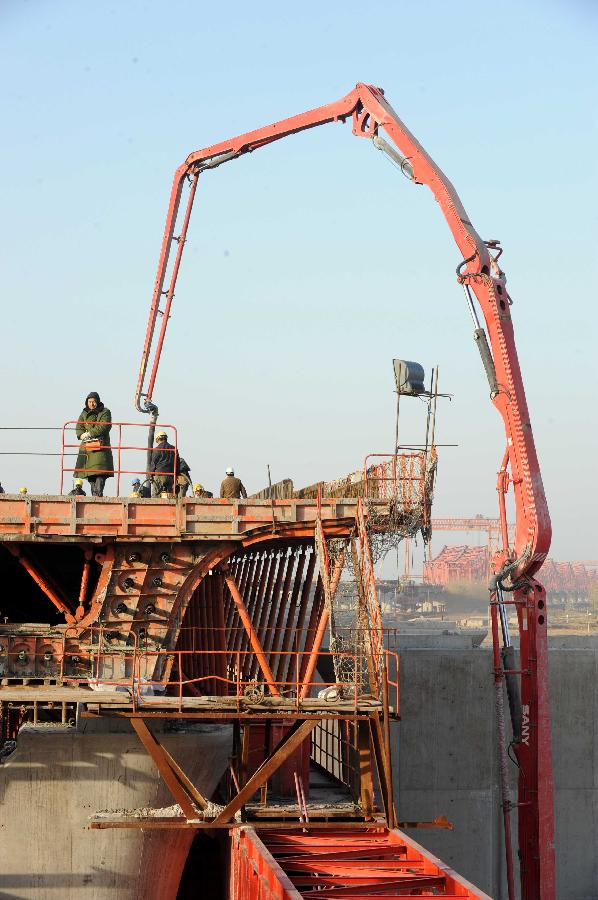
(160, 434)
(198, 487)
(136, 481)
(23, 490)
(230, 471)
(78, 482)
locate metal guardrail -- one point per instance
(58, 658)
(119, 448)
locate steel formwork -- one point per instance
(356, 864)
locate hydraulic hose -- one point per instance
(481, 340)
(513, 695)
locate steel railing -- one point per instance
(134, 667)
(119, 448)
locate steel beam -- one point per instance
(171, 774)
(42, 583)
(291, 740)
(253, 638)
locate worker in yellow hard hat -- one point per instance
(78, 489)
(199, 491)
(138, 489)
(22, 490)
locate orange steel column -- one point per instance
(322, 626)
(253, 638)
(43, 584)
(80, 611)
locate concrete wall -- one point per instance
(445, 763)
(55, 780)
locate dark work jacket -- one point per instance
(95, 462)
(164, 459)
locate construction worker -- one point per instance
(139, 490)
(93, 427)
(232, 488)
(78, 489)
(183, 479)
(163, 466)
(198, 491)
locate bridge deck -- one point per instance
(42, 517)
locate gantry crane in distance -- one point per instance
(514, 565)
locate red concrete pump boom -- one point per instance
(483, 280)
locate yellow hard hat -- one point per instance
(78, 481)
(160, 434)
(198, 487)
(23, 490)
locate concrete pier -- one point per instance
(444, 763)
(57, 778)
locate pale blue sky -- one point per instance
(311, 263)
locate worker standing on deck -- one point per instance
(94, 460)
(78, 489)
(164, 466)
(232, 488)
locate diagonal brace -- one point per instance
(181, 788)
(253, 638)
(43, 582)
(288, 743)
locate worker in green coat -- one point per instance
(94, 425)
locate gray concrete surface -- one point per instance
(444, 763)
(55, 780)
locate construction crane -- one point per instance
(514, 563)
(492, 527)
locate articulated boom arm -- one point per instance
(480, 275)
(484, 282)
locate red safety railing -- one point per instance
(119, 448)
(141, 670)
(397, 475)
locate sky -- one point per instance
(312, 263)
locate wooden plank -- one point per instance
(383, 767)
(53, 693)
(366, 784)
(166, 822)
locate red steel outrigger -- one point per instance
(483, 280)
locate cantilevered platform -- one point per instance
(96, 519)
